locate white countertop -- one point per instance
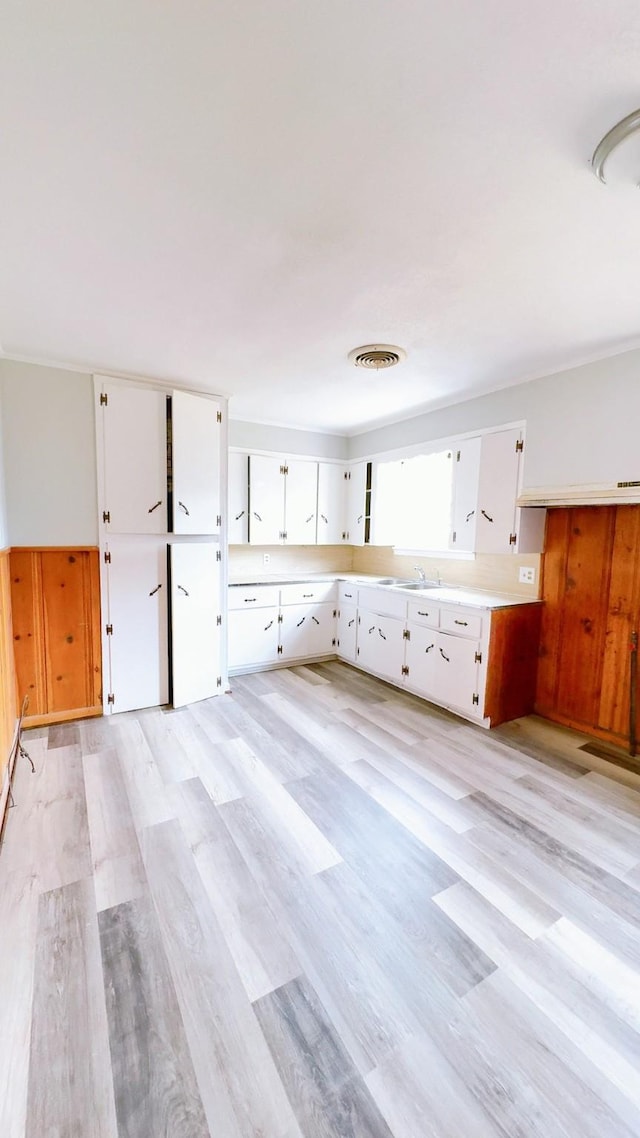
(443, 594)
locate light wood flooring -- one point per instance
(319, 907)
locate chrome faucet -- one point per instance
(421, 573)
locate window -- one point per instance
(413, 502)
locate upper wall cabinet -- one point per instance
(358, 504)
(238, 504)
(300, 502)
(195, 451)
(135, 459)
(486, 481)
(332, 504)
(283, 500)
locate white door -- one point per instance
(195, 634)
(420, 659)
(381, 644)
(253, 636)
(307, 630)
(195, 448)
(332, 503)
(238, 520)
(347, 630)
(457, 673)
(497, 491)
(266, 500)
(301, 502)
(466, 472)
(356, 498)
(136, 603)
(134, 422)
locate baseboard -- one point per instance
(53, 717)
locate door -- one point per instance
(238, 521)
(466, 472)
(381, 644)
(307, 630)
(420, 659)
(195, 633)
(134, 434)
(332, 503)
(347, 629)
(266, 500)
(356, 498)
(195, 450)
(301, 502)
(136, 604)
(253, 636)
(456, 675)
(497, 491)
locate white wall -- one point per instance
(49, 455)
(289, 442)
(582, 424)
(4, 534)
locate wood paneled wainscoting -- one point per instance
(591, 589)
(7, 678)
(55, 598)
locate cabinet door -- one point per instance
(238, 521)
(134, 426)
(456, 681)
(466, 472)
(356, 497)
(381, 644)
(136, 602)
(307, 630)
(420, 659)
(346, 641)
(266, 500)
(301, 502)
(253, 636)
(195, 449)
(195, 635)
(497, 491)
(332, 503)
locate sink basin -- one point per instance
(419, 585)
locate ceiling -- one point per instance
(236, 193)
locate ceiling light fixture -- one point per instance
(612, 139)
(376, 356)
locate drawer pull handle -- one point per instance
(382, 634)
(183, 507)
(422, 613)
(183, 590)
(249, 600)
(430, 647)
(152, 508)
(463, 623)
(444, 657)
(240, 515)
(306, 595)
(485, 515)
(301, 622)
(349, 595)
(268, 626)
(155, 590)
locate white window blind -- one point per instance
(413, 502)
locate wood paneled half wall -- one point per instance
(55, 599)
(7, 675)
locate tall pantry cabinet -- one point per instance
(160, 472)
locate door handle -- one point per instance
(324, 519)
(352, 621)
(257, 516)
(310, 518)
(155, 590)
(444, 657)
(240, 515)
(360, 517)
(469, 516)
(430, 647)
(183, 507)
(183, 590)
(485, 515)
(268, 626)
(382, 634)
(316, 619)
(152, 508)
(372, 629)
(301, 622)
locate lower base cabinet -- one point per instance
(347, 633)
(271, 625)
(307, 630)
(380, 644)
(253, 636)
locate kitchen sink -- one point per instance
(419, 585)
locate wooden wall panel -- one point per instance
(56, 605)
(7, 675)
(622, 617)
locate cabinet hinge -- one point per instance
(219, 417)
(219, 682)
(345, 535)
(279, 649)
(335, 612)
(357, 651)
(284, 469)
(111, 698)
(333, 642)
(458, 456)
(109, 630)
(280, 618)
(104, 399)
(453, 537)
(218, 555)
(405, 670)
(512, 538)
(347, 475)
(283, 535)
(218, 620)
(219, 520)
(107, 558)
(406, 635)
(519, 446)
(478, 657)
(106, 516)
(476, 699)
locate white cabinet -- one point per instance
(301, 502)
(456, 678)
(269, 624)
(307, 630)
(346, 634)
(253, 636)
(332, 503)
(132, 430)
(381, 644)
(238, 503)
(486, 485)
(465, 495)
(356, 499)
(135, 615)
(420, 660)
(195, 451)
(195, 611)
(266, 500)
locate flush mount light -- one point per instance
(612, 139)
(376, 356)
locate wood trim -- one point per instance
(61, 716)
(54, 549)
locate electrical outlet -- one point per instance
(266, 558)
(527, 576)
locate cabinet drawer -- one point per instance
(462, 621)
(383, 601)
(347, 593)
(308, 594)
(423, 612)
(253, 596)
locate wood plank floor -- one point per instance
(319, 908)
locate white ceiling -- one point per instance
(235, 193)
